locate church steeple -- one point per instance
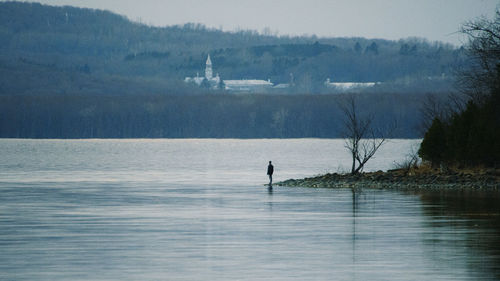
(208, 69)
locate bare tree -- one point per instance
(361, 139)
(411, 161)
(441, 107)
(479, 76)
(484, 51)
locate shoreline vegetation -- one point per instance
(422, 178)
(463, 139)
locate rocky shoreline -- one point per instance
(404, 179)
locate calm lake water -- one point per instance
(199, 210)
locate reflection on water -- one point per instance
(270, 189)
(148, 210)
(475, 215)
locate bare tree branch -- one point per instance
(360, 137)
(484, 51)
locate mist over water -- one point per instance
(198, 210)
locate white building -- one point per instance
(246, 85)
(213, 81)
(348, 86)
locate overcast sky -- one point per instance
(389, 19)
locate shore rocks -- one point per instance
(403, 179)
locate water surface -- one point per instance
(198, 210)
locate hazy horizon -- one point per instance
(437, 20)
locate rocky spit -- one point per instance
(404, 179)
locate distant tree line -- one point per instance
(198, 116)
(68, 72)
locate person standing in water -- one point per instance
(270, 171)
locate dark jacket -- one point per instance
(270, 169)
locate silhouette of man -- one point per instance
(270, 171)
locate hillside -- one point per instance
(68, 72)
(67, 50)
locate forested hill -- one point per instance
(73, 51)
